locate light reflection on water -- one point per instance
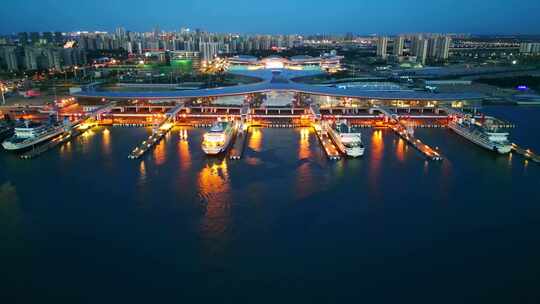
(142, 173)
(183, 149)
(215, 194)
(255, 140)
(208, 211)
(213, 181)
(304, 150)
(65, 150)
(160, 152)
(106, 141)
(85, 141)
(376, 147)
(255, 144)
(401, 148)
(304, 175)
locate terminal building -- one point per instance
(277, 89)
(330, 63)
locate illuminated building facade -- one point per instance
(328, 62)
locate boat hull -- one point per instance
(354, 152)
(218, 149)
(350, 152)
(496, 147)
(9, 146)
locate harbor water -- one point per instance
(84, 224)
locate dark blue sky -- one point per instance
(276, 16)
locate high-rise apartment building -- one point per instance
(209, 50)
(529, 48)
(439, 47)
(399, 43)
(382, 45)
(8, 58)
(419, 48)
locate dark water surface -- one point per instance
(83, 224)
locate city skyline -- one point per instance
(300, 17)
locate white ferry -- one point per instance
(218, 139)
(347, 139)
(31, 134)
(485, 134)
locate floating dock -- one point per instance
(330, 148)
(426, 150)
(151, 141)
(527, 153)
(239, 143)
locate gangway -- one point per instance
(96, 113)
(315, 112)
(451, 111)
(387, 112)
(244, 112)
(172, 113)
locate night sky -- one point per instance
(277, 16)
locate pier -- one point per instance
(402, 131)
(152, 140)
(329, 147)
(426, 150)
(239, 142)
(163, 116)
(527, 153)
(158, 132)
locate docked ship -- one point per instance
(485, 134)
(218, 139)
(347, 139)
(31, 134)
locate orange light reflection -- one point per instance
(400, 149)
(304, 150)
(214, 191)
(255, 140)
(160, 153)
(377, 152)
(106, 141)
(183, 150)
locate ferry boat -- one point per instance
(31, 134)
(218, 139)
(485, 134)
(347, 139)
